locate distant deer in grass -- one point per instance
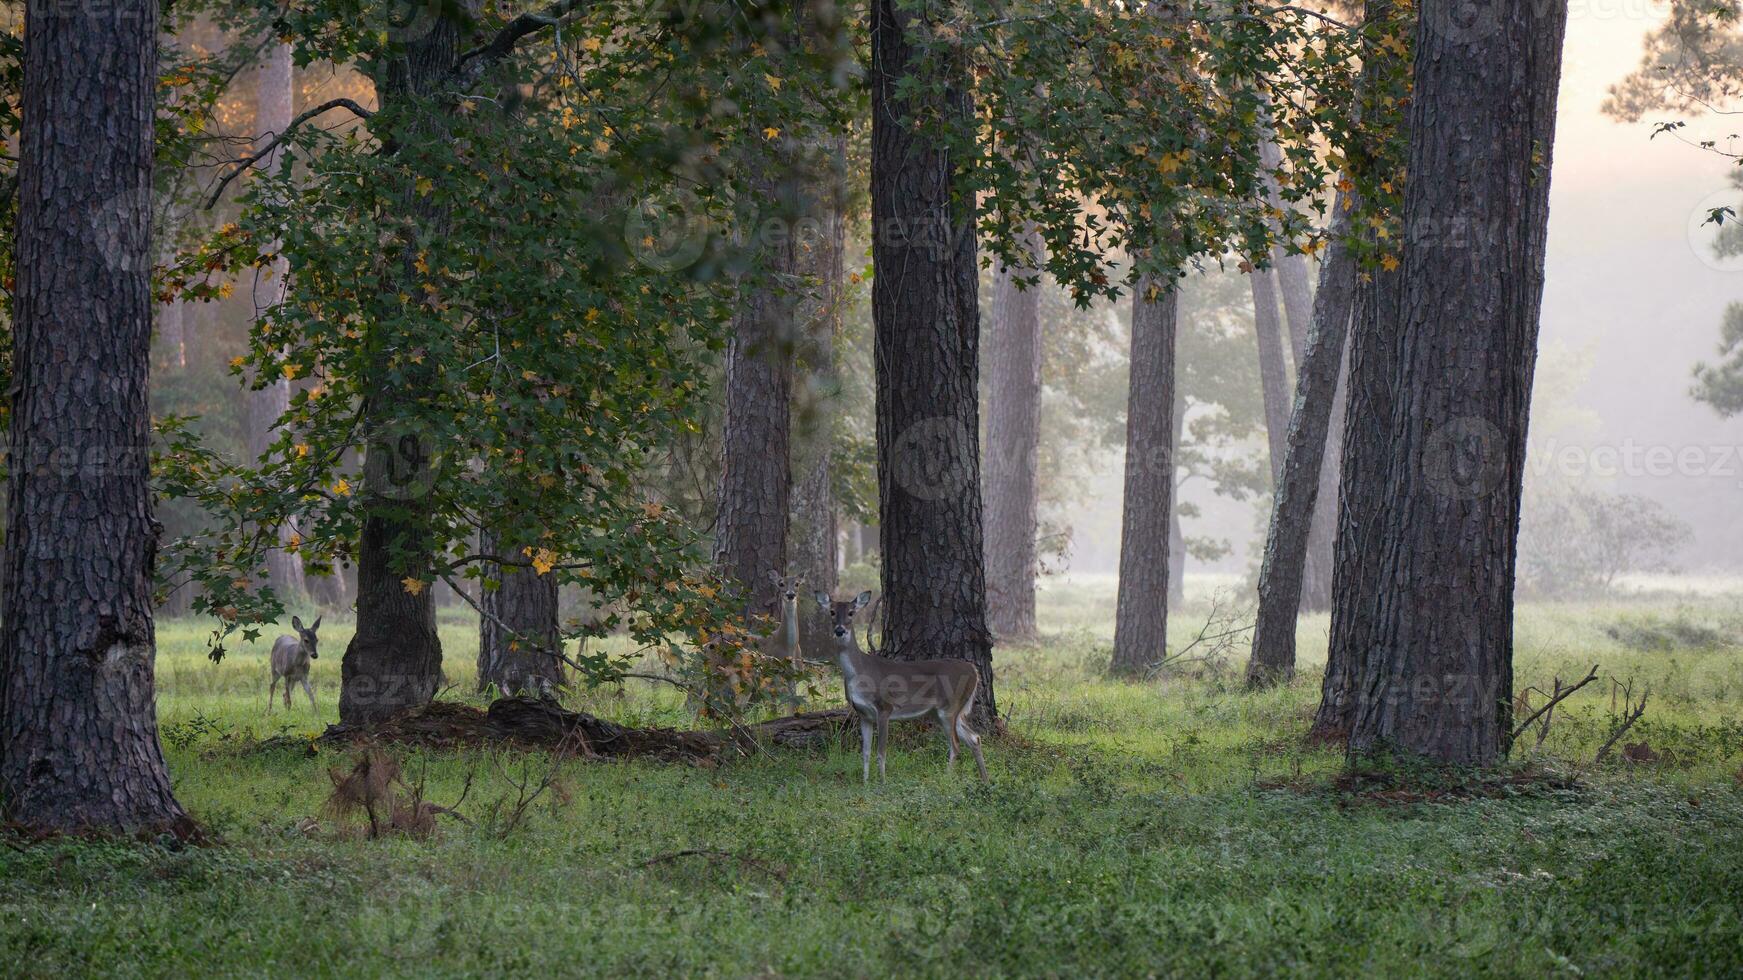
(291, 656)
(879, 690)
(784, 642)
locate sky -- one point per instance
(1632, 301)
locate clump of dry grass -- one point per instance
(376, 790)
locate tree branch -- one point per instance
(1560, 696)
(477, 61)
(250, 160)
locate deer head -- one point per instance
(306, 635)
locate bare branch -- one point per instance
(1561, 695)
(250, 160)
(474, 63)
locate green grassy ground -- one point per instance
(1175, 827)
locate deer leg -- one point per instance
(271, 685)
(973, 741)
(865, 748)
(949, 725)
(287, 689)
(310, 692)
(883, 743)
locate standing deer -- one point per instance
(784, 642)
(879, 690)
(290, 660)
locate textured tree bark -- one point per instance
(1373, 357)
(276, 101)
(813, 538)
(394, 660)
(518, 635)
(1294, 509)
(927, 351)
(1273, 373)
(78, 728)
(1438, 682)
(1013, 447)
(750, 537)
(1141, 616)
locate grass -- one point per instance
(1175, 827)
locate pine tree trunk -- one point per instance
(1273, 373)
(1013, 448)
(394, 660)
(1369, 397)
(1439, 680)
(927, 349)
(1141, 617)
(518, 635)
(1296, 498)
(78, 727)
(813, 535)
(750, 536)
(1316, 574)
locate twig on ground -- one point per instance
(1547, 712)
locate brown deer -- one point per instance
(879, 690)
(290, 660)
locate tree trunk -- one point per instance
(1013, 446)
(172, 336)
(1368, 392)
(78, 725)
(750, 536)
(1439, 680)
(1316, 573)
(518, 635)
(263, 407)
(1273, 373)
(394, 660)
(1294, 509)
(1176, 532)
(814, 537)
(927, 351)
(1141, 618)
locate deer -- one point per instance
(784, 642)
(290, 660)
(879, 690)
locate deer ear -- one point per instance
(862, 600)
(822, 598)
(774, 576)
(297, 623)
(315, 625)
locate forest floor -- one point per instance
(1175, 827)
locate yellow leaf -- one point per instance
(424, 185)
(412, 586)
(290, 371)
(590, 44)
(302, 449)
(774, 82)
(235, 363)
(771, 132)
(1389, 263)
(342, 488)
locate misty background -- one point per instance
(1633, 300)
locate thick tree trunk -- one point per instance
(394, 660)
(813, 535)
(1368, 393)
(1294, 510)
(1273, 373)
(927, 350)
(78, 726)
(1013, 447)
(750, 535)
(1439, 680)
(518, 635)
(1141, 617)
